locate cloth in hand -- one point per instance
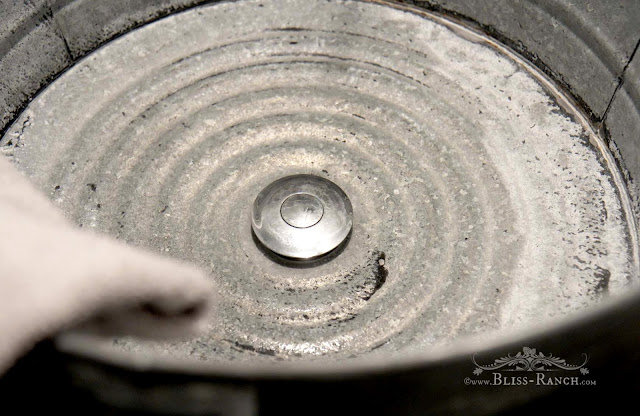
(55, 276)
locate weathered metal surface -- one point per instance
(483, 202)
(583, 45)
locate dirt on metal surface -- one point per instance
(480, 202)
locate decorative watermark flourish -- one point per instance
(530, 361)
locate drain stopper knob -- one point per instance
(302, 216)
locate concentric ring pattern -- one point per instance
(479, 203)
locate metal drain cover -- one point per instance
(481, 200)
(302, 216)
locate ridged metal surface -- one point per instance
(479, 202)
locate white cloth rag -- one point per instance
(55, 276)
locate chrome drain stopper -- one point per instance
(302, 216)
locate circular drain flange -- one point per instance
(480, 202)
(302, 216)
